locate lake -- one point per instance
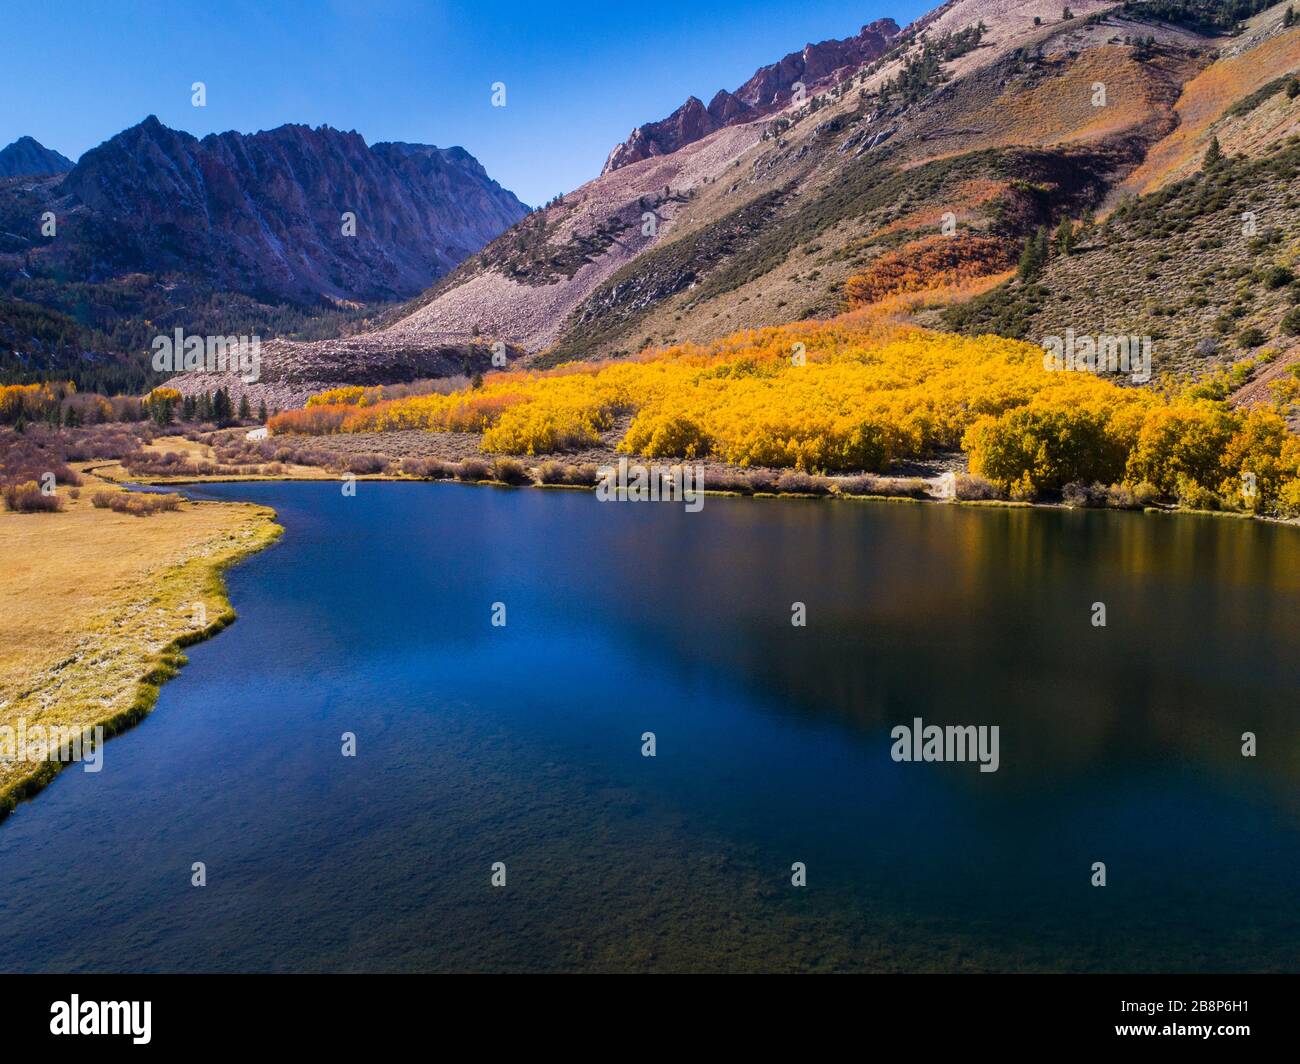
(522, 745)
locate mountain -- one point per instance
(27, 157)
(290, 231)
(984, 126)
(982, 120)
(266, 211)
(772, 86)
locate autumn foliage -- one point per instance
(934, 261)
(860, 393)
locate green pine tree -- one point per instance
(1064, 239)
(1213, 154)
(221, 408)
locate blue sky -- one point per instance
(578, 76)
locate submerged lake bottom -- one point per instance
(514, 752)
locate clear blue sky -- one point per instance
(578, 75)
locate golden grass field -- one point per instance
(95, 606)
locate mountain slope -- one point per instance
(742, 180)
(985, 122)
(1207, 262)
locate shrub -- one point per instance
(1278, 277)
(135, 503)
(932, 262)
(558, 473)
(1081, 495)
(1291, 323)
(1251, 337)
(363, 464)
(585, 475)
(553, 473)
(890, 487)
(28, 498)
(1194, 496)
(974, 489)
(729, 480)
(510, 471)
(473, 470)
(1146, 494)
(426, 468)
(866, 484)
(795, 482)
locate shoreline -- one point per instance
(1006, 504)
(914, 481)
(195, 579)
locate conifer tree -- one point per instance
(1064, 239)
(1213, 154)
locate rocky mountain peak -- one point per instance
(768, 90)
(266, 211)
(27, 157)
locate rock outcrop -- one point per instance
(768, 90)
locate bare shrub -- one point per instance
(137, 504)
(795, 482)
(363, 464)
(553, 472)
(473, 469)
(585, 475)
(974, 489)
(866, 484)
(28, 498)
(728, 480)
(510, 471)
(426, 468)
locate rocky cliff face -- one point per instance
(27, 157)
(768, 90)
(293, 212)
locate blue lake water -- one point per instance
(522, 744)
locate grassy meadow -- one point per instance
(96, 606)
